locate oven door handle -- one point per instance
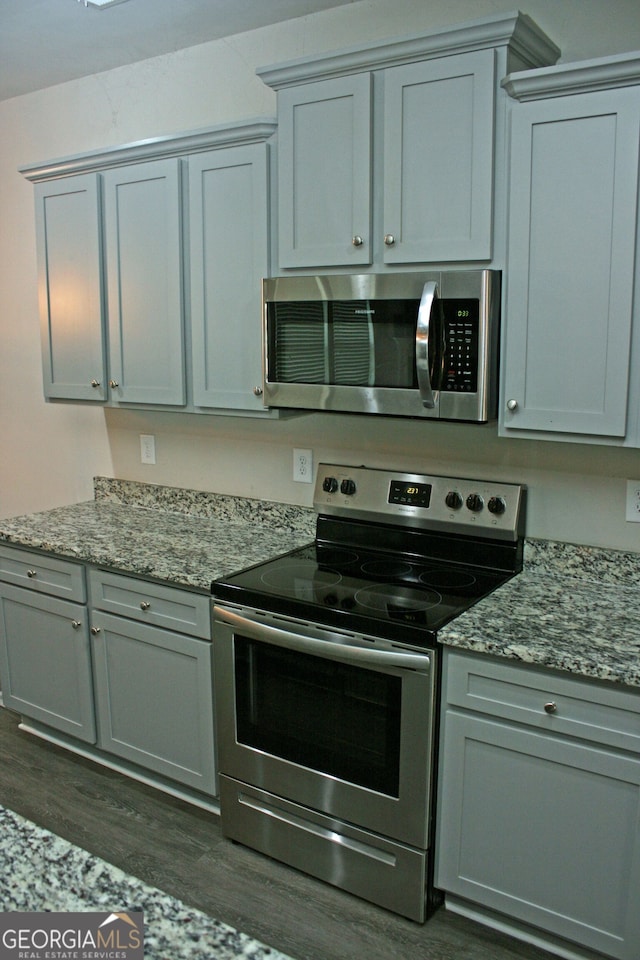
(335, 647)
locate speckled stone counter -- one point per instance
(40, 871)
(182, 537)
(572, 608)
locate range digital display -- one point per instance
(410, 494)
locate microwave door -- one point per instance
(429, 344)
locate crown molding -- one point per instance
(198, 141)
(516, 31)
(584, 76)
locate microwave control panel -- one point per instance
(460, 369)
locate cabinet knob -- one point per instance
(357, 241)
(95, 631)
(113, 384)
(76, 624)
(32, 573)
(389, 239)
(512, 405)
(257, 391)
(95, 384)
(145, 605)
(550, 707)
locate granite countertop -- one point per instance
(572, 608)
(41, 871)
(186, 538)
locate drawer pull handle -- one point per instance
(76, 624)
(32, 573)
(95, 631)
(145, 605)
(550, 707)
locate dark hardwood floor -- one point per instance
(179, 849)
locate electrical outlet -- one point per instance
(303, 466)
(633, 501)
(147, 448)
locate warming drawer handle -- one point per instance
(336, 647)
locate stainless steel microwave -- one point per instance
(403, 344)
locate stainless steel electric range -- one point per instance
(327, 675)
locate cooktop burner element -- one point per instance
(396, 555)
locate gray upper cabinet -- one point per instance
(229, 256)
(110, 285)
(70, 288)
(144, 283)
(573, 200)
(438, 159)
(120, 232)
(386, 153)
(324, 173)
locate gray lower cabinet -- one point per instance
(45, 657)
(112, 661)
(154, 697)
(539, 802)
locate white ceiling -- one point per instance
(44, 42)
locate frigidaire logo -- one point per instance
(72, 936)
(367, 312)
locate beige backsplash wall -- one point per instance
(575, 492)
(49, 453)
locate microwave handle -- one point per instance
(424, 330)
(332, 646)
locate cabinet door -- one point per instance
(438, 159)
(229, 257)
(144, 281)
(543, 830)
(45, 662)
(69, 288)
(154, 699)
(324, 173)
(573, 203)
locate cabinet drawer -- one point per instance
(152, 603)
(541, 698)
(44, 574)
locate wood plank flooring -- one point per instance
(179, 849)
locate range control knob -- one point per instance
(329, 484)
(348, 487)
(496, 505)
(475, 503)
(453, 500)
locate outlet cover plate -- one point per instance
(633, 501)
(303, 466)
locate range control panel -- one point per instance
(477, 507)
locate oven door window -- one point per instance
(334, 718)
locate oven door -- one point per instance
(336, 723)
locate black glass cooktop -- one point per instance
(405, 599)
